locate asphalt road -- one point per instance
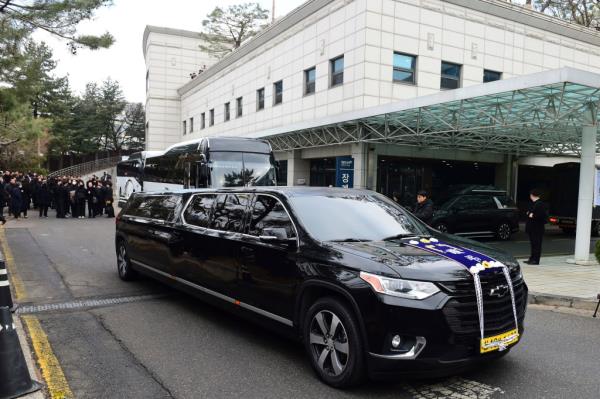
(170, 345)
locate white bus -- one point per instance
(130, 174)
(211, 163)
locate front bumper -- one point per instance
(450, 347)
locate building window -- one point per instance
(191, 125)
(278, 92)
(211, 117)
(337, 71)
(226, 112)
(310, 77)
(184, 126)
(238, 107)
(405, 68)
(147, 80)
(450, 78)
(490, 76)
(202, 120)
(260, 99)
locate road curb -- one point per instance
(562, 301)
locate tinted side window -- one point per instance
(198, 211)
(160, 207)
(505, 201)
(229, 212)
(268, 212)
(472, 202)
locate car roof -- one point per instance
(288, 191)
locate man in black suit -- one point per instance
(424, 207)
(537, 217)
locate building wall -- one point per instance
(436, 31)
(335, 30)
(170, 58)
(367, 33)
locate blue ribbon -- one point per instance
(476, 263)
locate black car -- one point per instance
(339, 269)
(478, 213)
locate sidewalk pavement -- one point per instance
(557, 283)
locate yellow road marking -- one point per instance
(57, 384)
(58, 387)
(16, 281)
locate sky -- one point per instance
(126, 20)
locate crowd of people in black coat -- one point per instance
(69, 195)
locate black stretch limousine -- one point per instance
(336, 267)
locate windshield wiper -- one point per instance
(404, 235)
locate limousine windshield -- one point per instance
(354, 218)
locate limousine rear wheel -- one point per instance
(332, 340)
(126, 273)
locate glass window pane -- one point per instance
(229, 211)
(239, 108)
(260, 94)
(226, 169)
(374, 217)
(258, 170)
(268, 212)
(403, 76)
(338, 65)
(198, 212)
(450, 69)
(490, 76)
(337, 71)
(404, 61)
(278, 92)
(310, 76)
(447, 83)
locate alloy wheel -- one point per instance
(122, 260)
(329, 343)
(442, 228)
(504, 231)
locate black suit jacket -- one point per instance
(539, 212)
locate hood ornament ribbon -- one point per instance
(477, 264)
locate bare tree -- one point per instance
(581, 12)
(226, 29)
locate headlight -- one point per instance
(398, 287)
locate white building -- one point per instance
(303, 81)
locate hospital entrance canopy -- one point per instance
(540, 113)
(553, 112)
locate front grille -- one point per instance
(461, 309)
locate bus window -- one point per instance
(259, 170)
(226, 169)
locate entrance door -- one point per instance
(402, 177)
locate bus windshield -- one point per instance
(235, 169)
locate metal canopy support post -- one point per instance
(587, 173)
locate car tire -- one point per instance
(126, 273)
(337, 355)
(442, 228)
(503, 231)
